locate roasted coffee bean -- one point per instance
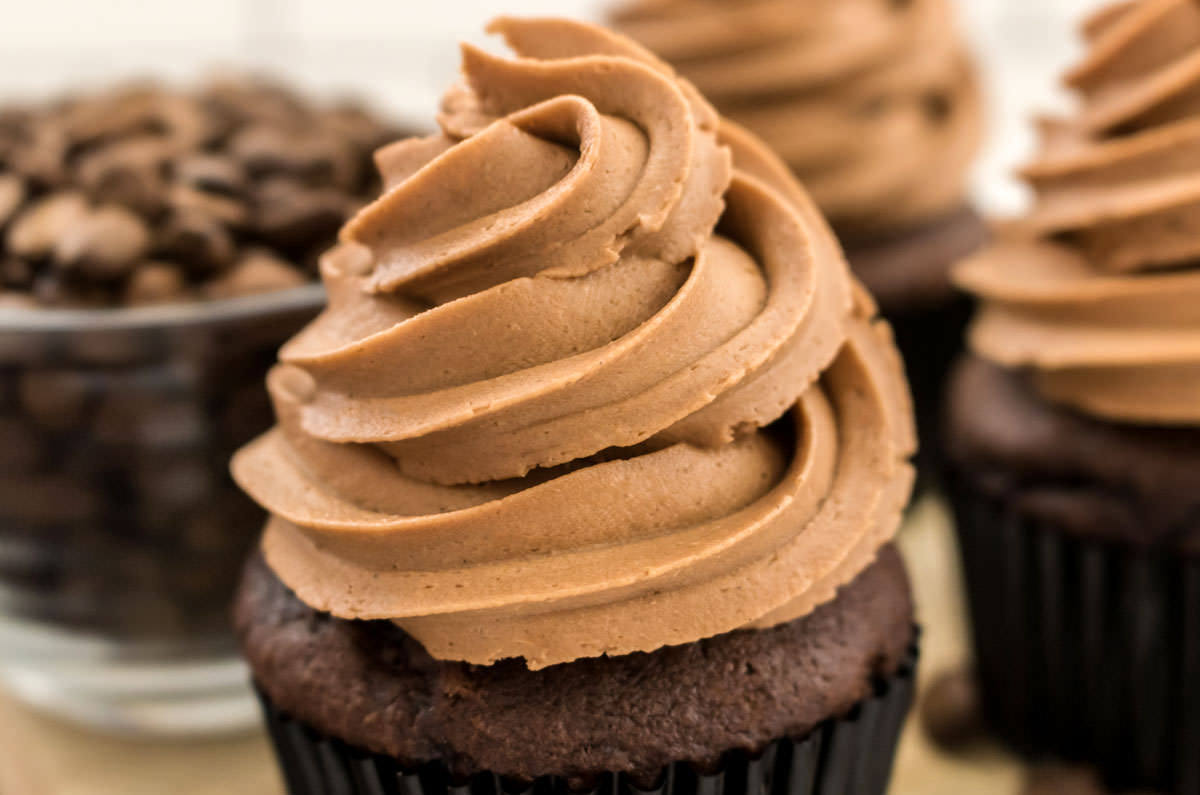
(242, 100)
(197, 241)
(175, 481)
(1063, 780)
(211, 174)
(12, 194)
(156, 283)
(17, 274)
(313, 158)
(42, 158)
(127, 172)
(256, 272)
(15, 300)
(48, 500)
(104, 244)
(21, 447)
(951, 713)
(36, 230)
(228, 210)
(114, 348)
(57, 400)
(59, 290)
(136, 110)
(295, 219)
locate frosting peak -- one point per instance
(593, 378)
(838, 88)
(1096, 291)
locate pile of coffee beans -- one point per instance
(145, 195)
(118, 518)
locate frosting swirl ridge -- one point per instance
(1097, 291)
(593, 377)
(838, 88)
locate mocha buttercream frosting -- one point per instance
(875, 105)
(1097, 292)
(593, 379)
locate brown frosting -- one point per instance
(554, 410)
(875, 105)
(1097, 292)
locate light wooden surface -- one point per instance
(40, 756)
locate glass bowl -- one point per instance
(122, 534)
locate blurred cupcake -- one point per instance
(877, 109)
(586, 476)
(1074, 429)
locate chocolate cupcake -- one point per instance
(1074, 430)
(586, 476)
(876, 108)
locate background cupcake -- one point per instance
(876, 107)
(589, 468)
(1075, 428)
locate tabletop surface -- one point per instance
(41, 756)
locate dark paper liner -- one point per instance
(847, 756)
(1085, 650)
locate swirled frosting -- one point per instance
(1097, 292)
(875, 105)
(593, 378)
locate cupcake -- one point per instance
(1074, 426)
(876, 107)
(586, 477)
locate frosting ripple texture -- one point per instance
(1097, 291)
(593, 378)
(875, 105)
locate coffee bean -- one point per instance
(127, 172)
(176, 481)
(211, 174)
(226, 209)
(36, 231)
(48, 500)
(196, 240)
(12, 194)
(156, 283)
(313, 158)
(136, 110)
(57, 400)
(950, 710)
(17, 274)
(1062, 780)
(21, 449)
(42, 158)
(104, 244)
(256, 272)
(15, 300)
(294, 218)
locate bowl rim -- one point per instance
(129, 318)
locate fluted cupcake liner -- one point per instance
(846, 756)
(1085, 649)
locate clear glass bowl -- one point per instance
(122, 535)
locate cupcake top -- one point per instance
(594, 377)
(874, 105)
(1097, 291)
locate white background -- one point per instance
(400, 53)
